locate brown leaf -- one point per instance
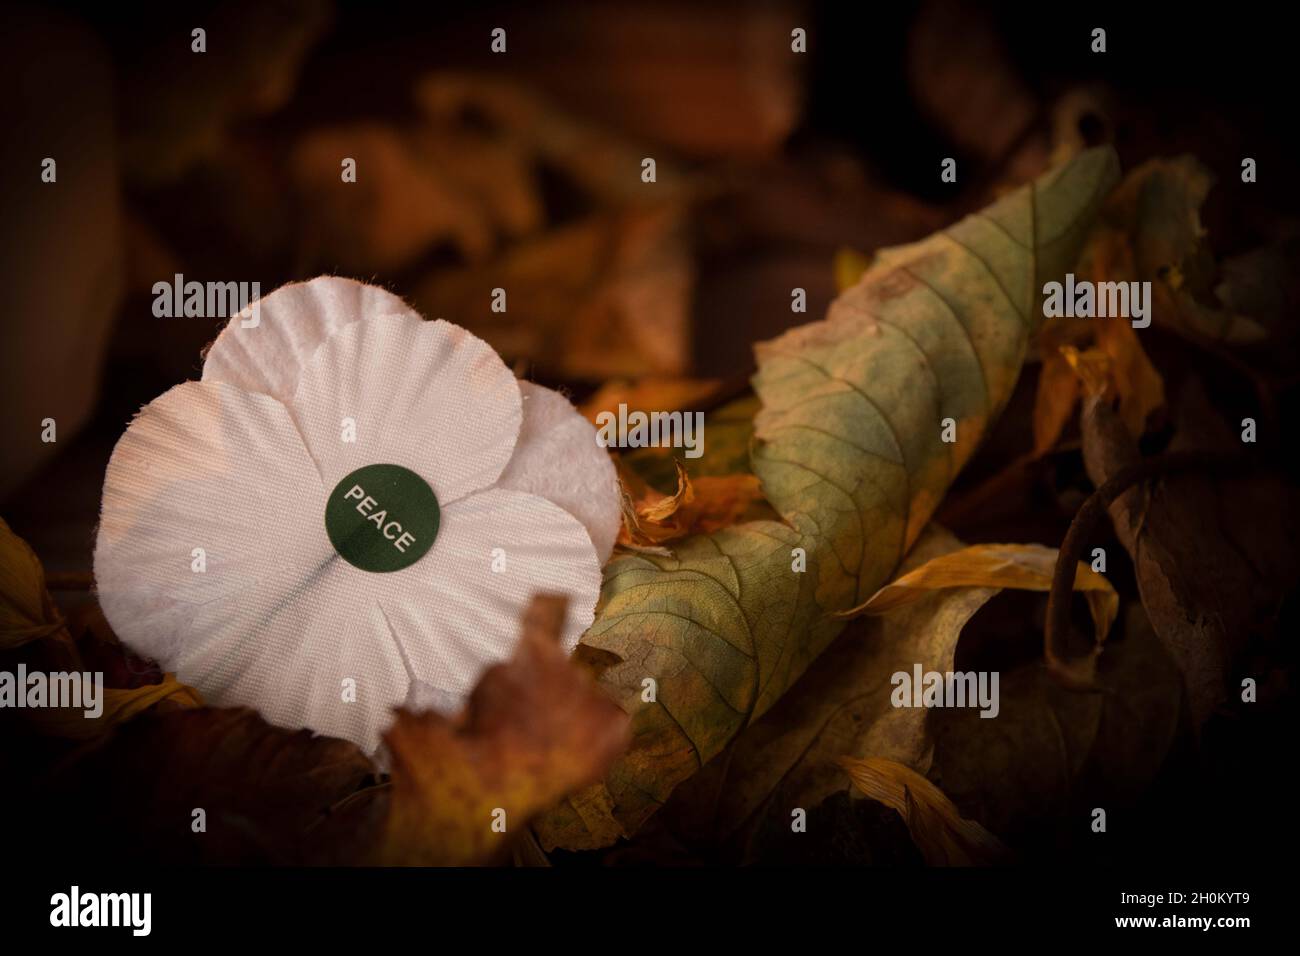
(1212, 556)
(943, 835)
(1117, 362)
(420, 186)
(1054, 752)
(534, 730)
(1151, 231)
(603, 296)
(840, 706)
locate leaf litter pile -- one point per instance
(773, 587)
(931, 477)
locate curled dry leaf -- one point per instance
(1150, 230)
(1026, 567)
(943, 835)
(739, 804)
(707, 504)
(849, 449)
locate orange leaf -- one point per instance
(534, 729)
(707, 504)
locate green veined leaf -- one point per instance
(849, 445)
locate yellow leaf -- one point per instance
(849, 266)
(120, 705)
(1026, 567)
(941, 833)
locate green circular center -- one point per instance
(382, 518)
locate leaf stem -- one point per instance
(1079, 675)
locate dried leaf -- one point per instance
(420, 187)
(1055, 401)
(605, 296)
(840, 706)
(850, 452)
(944, 836)
(1151, 231)
(709, 504)
(1115, 360)
(1026, 567)
(730, 432)
(1052, 754)
(534, 729)
(1212, 556)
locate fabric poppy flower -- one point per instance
(348, 512)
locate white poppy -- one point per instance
(349, 512)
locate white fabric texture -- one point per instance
(240, 465)
(295, 319)
(558, 459)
